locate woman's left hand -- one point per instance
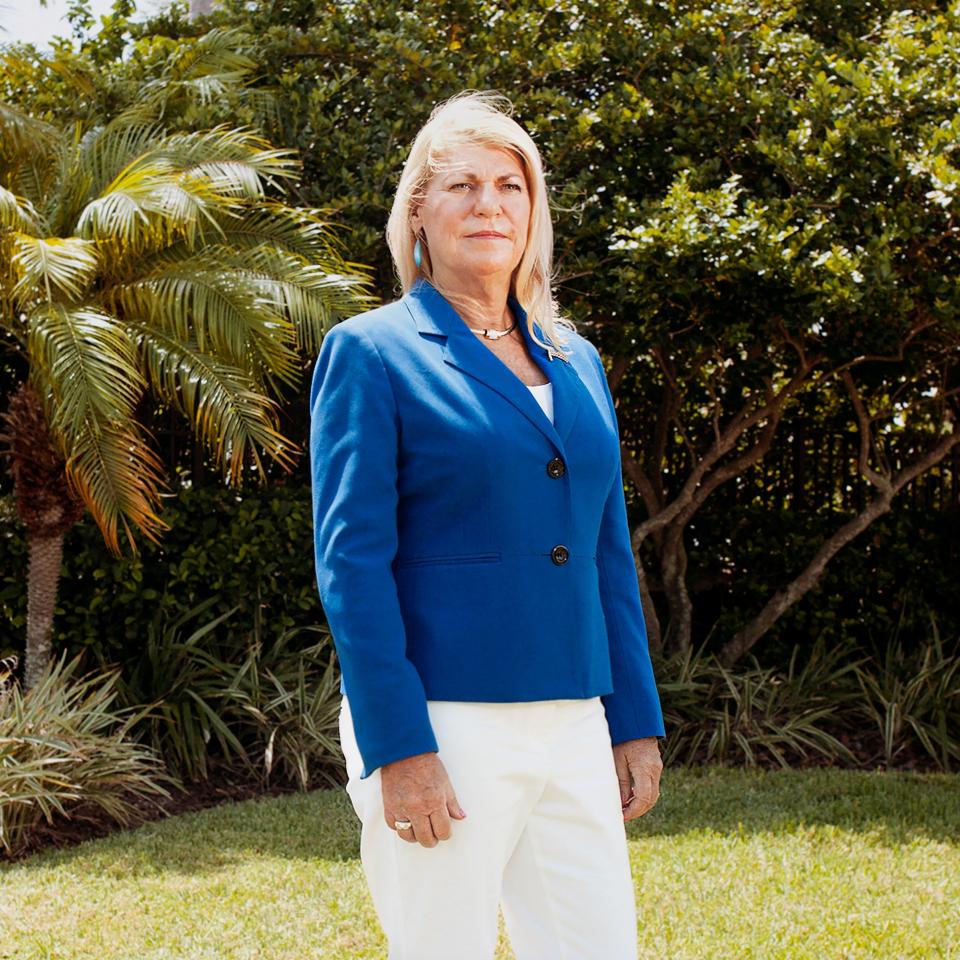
(638, 764)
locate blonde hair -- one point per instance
(480, 118)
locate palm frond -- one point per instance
(118, 476)
(213, 65)
(222, 401)
(181, 180)
(102, 152)
(291, 256)
(315, 300)
(213, 304)
(88, 361)
(18, 213)
(212, 68)
(219, 154)
(70, 186)
(34, 177)
(22, 134)
(306, 232)
(309, 294)
(27, 146)
(230, 159)
(107, 462)
(213, 88)
(43, 267)
(216, 52)
(146, 205)
(302, 233)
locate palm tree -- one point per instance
(134, 260)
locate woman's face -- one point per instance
(475, 215)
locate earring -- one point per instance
(417, 253)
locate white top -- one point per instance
(544, 395)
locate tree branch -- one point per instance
(743, 420)
(786, 597)
(878, 480)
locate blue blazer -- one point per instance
(466, 547)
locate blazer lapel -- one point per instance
(433, 314)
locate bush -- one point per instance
(755, 714)
(252, 549)
(270, 708)
(913, 700)
(843, 706)
(62, 747)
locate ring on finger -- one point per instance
(403, 824)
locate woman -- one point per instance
(500, 716)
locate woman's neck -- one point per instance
(481, 301)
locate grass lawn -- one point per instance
(826, 865)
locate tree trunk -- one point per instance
(673, 564)
(43, 576)
(48, 507)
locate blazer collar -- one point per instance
(434, 314)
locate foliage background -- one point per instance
(812, 108)
(255, 547)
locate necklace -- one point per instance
(492, 334)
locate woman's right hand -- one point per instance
(418, 789)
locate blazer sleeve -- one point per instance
(633, 709)
(354, 444)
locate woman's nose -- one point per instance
(486, 199)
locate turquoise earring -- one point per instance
(417, 253)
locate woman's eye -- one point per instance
(508, 186)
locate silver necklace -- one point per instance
(491, 334)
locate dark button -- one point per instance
(556, 467)
(559, 554)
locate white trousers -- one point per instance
(543, 837)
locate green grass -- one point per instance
(831, 865)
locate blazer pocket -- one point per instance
(450, 558)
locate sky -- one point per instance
(26, 20)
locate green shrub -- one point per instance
(63, 745)
(267, 708)
(185, 690)
(753, 714)
(293, 702)
(251, 548)
(913, 699)
(895, 706)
